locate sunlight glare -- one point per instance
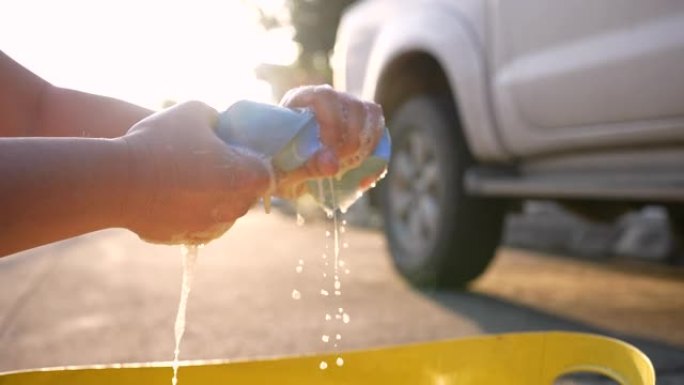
(146, 51)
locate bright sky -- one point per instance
(146, 51)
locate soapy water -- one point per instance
(189, 253)
(189, 259)
(333, 236)
(340, 315)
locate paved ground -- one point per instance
(109, 297)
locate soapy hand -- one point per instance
(350, 130)
(188, 186)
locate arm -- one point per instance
(53, 189)
(30, 106)
(170, 179)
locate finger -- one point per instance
(327, 107)
(354, 121)
(321, 165)
(287, 100)
(374, 126)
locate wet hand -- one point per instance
(186, 185)
(350, 131)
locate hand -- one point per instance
(350, 131)
(188, 186)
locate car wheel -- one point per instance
(438, 236)
(676, 218)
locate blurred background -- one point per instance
(155, 51)
(108, 297)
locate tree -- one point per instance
(315, 23)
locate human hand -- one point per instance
(188, 186)
(349, 128)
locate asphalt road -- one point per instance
(109, 297)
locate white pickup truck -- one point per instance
(491, 102)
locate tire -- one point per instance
(676, 218)
(438, 236)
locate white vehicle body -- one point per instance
(563, 85)
(579, 101)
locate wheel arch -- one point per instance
(411, 74)
(407, 58)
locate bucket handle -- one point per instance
(566, 353)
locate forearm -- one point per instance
(69, 113)
(52, 189)
(30, 106)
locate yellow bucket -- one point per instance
(513, 359)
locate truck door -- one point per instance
(581, 74)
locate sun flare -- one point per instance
(147, 52)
